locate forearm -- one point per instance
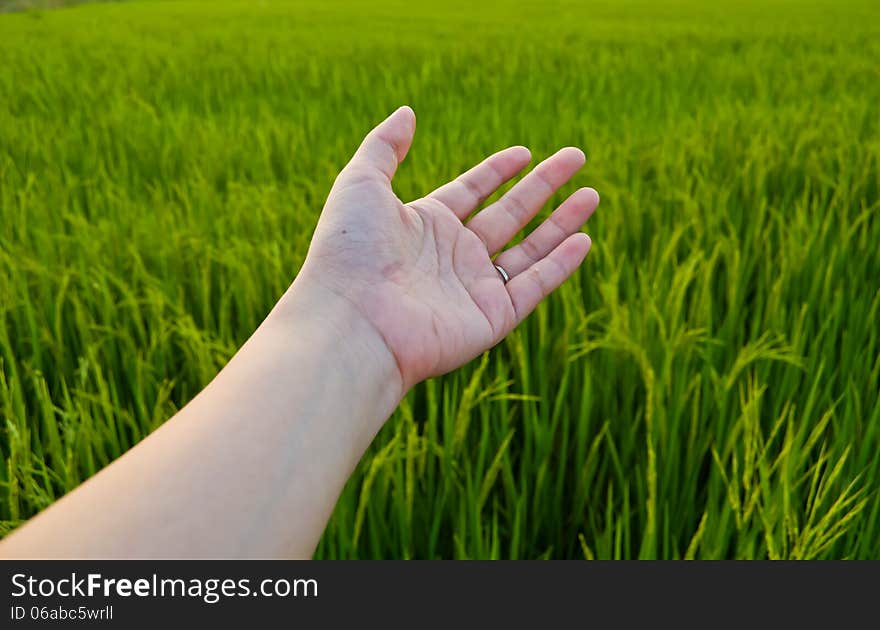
(252, 467)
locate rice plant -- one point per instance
(707, 386)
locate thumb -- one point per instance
(386, 145)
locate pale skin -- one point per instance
(390, 294)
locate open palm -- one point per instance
(422, 273)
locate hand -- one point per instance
(422, 274)
(413, 292)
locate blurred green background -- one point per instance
(708, 385)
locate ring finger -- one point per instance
(565, 221)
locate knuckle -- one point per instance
(472, 189)
(542, 177)
(530, 250)
(515, 207)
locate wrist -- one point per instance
(310, 313)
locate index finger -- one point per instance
(467, 191)
(499, 222)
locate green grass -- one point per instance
(708, 385)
